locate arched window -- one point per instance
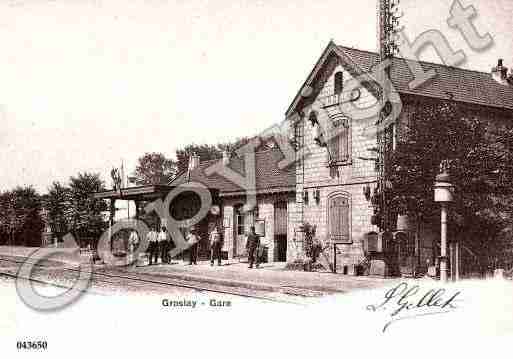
(339, 218)
(339, 82)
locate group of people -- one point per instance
(160, 244)
(216, 246)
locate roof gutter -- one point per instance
(262, 191)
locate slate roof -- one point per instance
(465, 85)
(270, 178)
(450, 82)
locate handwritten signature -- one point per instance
(412, 301)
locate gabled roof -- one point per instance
(270, 178)
(449, 83)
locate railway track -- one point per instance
(123, 278)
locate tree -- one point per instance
(154, 168)
(205, 152)
(86, 212)
(11, 219)
(208, 152)
(20, 217)
(29, 201)
(480, 155)
(58, 205)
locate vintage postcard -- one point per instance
(256, 178)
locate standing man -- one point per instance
(252, 246)
(193, 240)
(216, 244)
(153, 246)
(164, 243)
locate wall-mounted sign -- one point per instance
(260, 227)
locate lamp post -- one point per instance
(444, 194)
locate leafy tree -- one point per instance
(208, 152)
(11, 219)
(86, 212)
(205, 152)
(154, 168)
(58, 205)
(480, 155)
(20, 217)
(29, 201)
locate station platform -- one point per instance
(272, 276)
(269, 276)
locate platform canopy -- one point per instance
(146, 192)
(139, 193)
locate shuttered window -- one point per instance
(339, 141)
(339, 218)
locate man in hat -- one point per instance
(193, 240)
(216, 244)
(252, 246)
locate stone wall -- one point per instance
(265, 205)
(348, 178)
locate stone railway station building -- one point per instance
(327, 185)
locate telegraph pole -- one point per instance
(387, 28)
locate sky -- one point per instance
(85, 85)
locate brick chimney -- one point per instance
(500, 73)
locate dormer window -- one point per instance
(338, 82)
